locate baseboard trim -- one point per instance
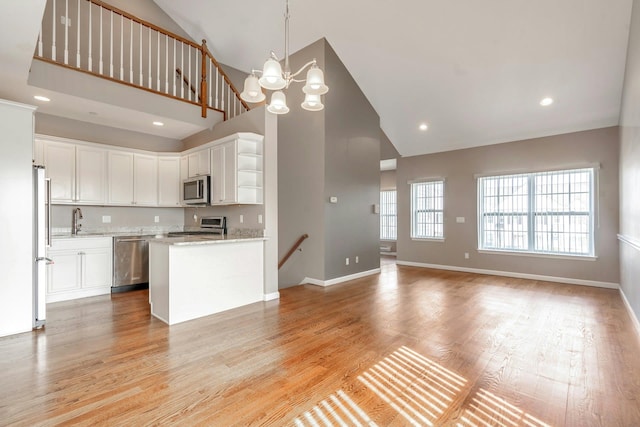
(634, 319)
(571, 281)
(271, 296)
(325, 283)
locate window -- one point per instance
(388, 215)
(547, 212)
(427, 210)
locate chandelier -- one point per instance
(273, 78)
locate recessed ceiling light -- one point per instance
(41, 98)
(424, 126)
(158, 124)
(546, 102)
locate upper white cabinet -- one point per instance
(133, 179)
(199, 163)
(145, 180)
(60, 164)
(91, 172)
(169, 181)
(120, 178)
(77, 172)
(236, 175)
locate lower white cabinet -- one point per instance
(81, 267)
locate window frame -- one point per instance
(383, 215)
(413, 211)
(532, 213)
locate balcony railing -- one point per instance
(94, 37)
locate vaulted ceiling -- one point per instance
(474, 71)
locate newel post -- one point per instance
(203, 80)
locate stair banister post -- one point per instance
(203, 80)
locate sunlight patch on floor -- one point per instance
(336, 410)
(488, 410)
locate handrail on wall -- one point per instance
(292, 250)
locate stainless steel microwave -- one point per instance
(195, 191)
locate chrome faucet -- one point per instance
(75, 226)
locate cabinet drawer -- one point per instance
(80, 243)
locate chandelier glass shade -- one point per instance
(272, 77)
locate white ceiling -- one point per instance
(475, 71)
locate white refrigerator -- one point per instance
(41, 240)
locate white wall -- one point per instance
(16, 217)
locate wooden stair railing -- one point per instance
(110, 43)
(186, 81)
(292, 250)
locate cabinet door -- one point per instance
(96, 268)
(145, 180)
(60, 164)
(217, 175)
(230, 172)
(91, 171)
(169, 181)
(64, 274)
(120, 183)
(184, 174)
(199, 163)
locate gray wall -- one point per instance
(335, 152)
(458, 169)
(122, 218)
(47, 124)
(301, 165)
(387, 149)
(352, 173)
(630, 169)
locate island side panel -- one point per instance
(159, 281)
(208, 279)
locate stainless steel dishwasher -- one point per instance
(130, 262)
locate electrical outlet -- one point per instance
(106, 219)
(357, 259)
(64, 20)
(346, 261)
(466, 255)
(241, 219)
(156, 218)
(259, 218)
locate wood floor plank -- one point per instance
(409, 346)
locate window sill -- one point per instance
(539, 255)
(427, 239)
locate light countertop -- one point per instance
(203, 240)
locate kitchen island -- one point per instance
(196, 276)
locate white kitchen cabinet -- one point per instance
(81, 267)
(145, 180)
(169, 186)
(60, 164)
(91, 175)
(184, 173)
(77, 172)
(199, 163)
(237, 172)
(133, 179)
(120, 182)
(223, 174)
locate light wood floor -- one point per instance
(408, 346)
